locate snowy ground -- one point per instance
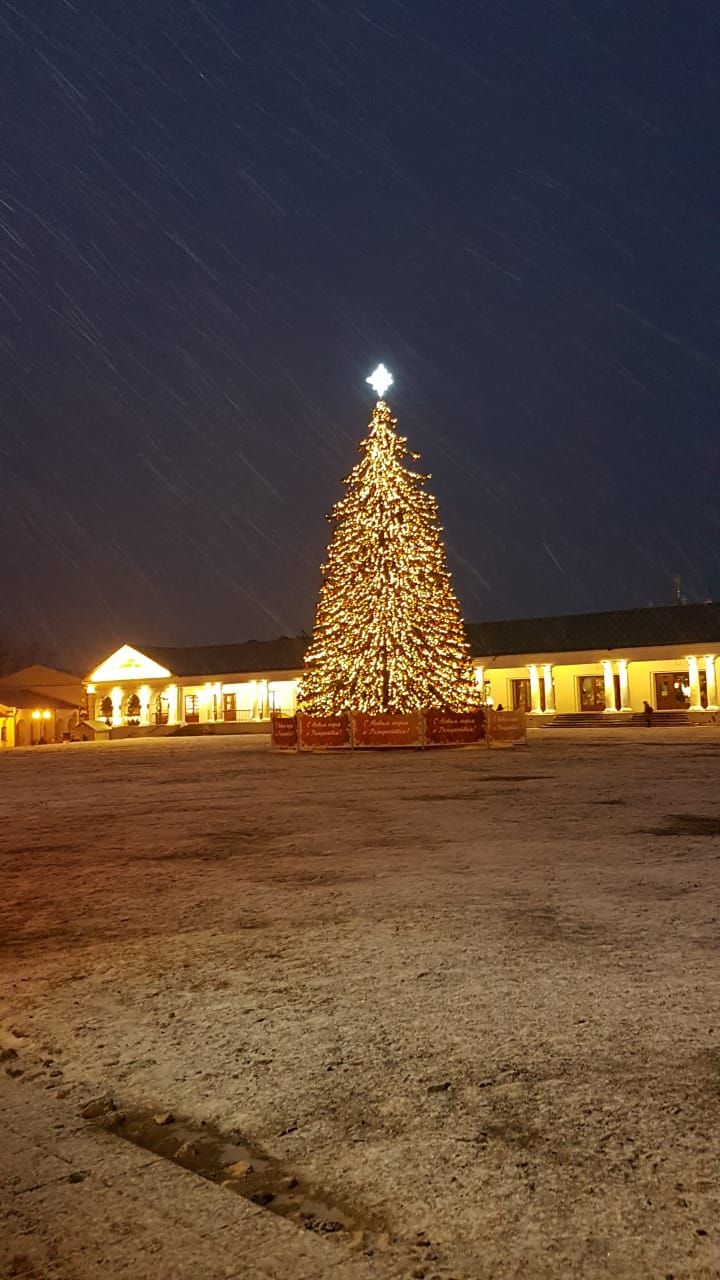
(473, 994)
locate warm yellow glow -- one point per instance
(711, 682)
(622, 668)
(89, 688)
(36, 715)
(535, 703)
(128, 663)
(609, 685)
(171, 693)
(282, 696)
(246, 695)
(47, 715)
(388, 633)
(116, 695)
(549, 688)
(694, 681)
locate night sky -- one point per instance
(217, 216)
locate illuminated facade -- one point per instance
(39, 705)
(583, 667)
(223, 688)
(577, 669)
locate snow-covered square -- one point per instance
(472, 995)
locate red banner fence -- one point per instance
(419, 729)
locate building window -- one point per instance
(133, 709)
(162, 709)
(106, 708)
(192, 708)
(591, 691)
(229, 706)
(672, 691)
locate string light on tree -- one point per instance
(388, 633)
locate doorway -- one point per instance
(591, 693)
(672, 690)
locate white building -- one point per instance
(574, 669)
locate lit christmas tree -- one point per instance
(388, 632)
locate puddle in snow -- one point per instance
(243, 1168)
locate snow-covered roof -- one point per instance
(284, 654)
(687, 624)
(30, 699)
(690, 624)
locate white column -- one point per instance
(262, 700)
(622, 668)
(172, 694)
(694, 673)
(609, 685)
(549, 688)
(479, 674)
(535, 706)
(711, 683)
(144, 696)
(116, 696)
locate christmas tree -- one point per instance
(388, 633)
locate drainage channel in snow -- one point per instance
(238, 1166)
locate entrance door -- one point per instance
(592, 693)
(229, 706)
(522, 695)
(672, 690)
(162, 709)
(192, 708)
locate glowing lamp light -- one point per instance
(47, 715)
(36, 715)
(380, 379)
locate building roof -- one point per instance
(30, 699)
(285, 654)
(688, 624)
(37, 674)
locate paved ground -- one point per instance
(79, 1204)
(473, 996)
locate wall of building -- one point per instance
(7, 728)
(209, 702)
(621, 682)
(626, 681)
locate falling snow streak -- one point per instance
(213, 217)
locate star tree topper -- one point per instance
(380, 379)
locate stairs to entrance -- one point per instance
(621, 720)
